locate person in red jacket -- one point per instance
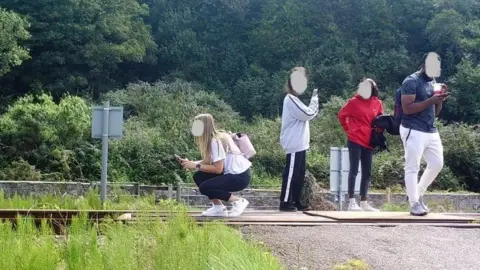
(356, 118)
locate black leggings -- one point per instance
(220, 186)
(359, 153)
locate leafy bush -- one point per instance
(157, 125)
(20, 170)
(45, 134)
(388, 167)
(462, 153)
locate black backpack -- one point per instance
(398, 113)
(378, 140)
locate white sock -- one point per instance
(362, 203)
(353, 201)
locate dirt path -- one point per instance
(402, 248)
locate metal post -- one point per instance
(340, 178)
(170, 191)
(336, 173)
(105, 131)
(78, 187)
(137, 189)
(179, 191)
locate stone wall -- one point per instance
(259, 198)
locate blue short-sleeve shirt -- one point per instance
(420, 85)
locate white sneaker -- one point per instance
(367, 207)
(353, 206)
(238, 207)
(216, 211)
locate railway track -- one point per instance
(59, 219)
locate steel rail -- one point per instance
(59, 219)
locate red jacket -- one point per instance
(356, 118)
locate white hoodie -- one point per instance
(295, 134)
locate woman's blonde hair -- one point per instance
(210, 132)
(288, 85)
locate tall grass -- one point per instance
(117, 200)
(176, 244)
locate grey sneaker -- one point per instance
(417, 210)
(423, 204)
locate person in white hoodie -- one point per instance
(295, 139)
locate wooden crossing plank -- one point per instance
(245, 217)
(346, 216)
(375, 224)
(271, 218)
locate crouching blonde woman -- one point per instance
(222, 170)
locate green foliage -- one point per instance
(52, 137)
(160, 127)
(20, 170)
(80, 45)
(326, 127)
(403, 207)
(465, 99)
(462, 153)
(13, 31)
(128, 247)
(117, 200)
(158, 118)
(239, 50)
(445, 28)
(354, 264)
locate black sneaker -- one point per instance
(302, 207)
(287, 207)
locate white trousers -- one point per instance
(417, 144)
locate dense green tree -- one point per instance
(13, 32)
(53, 138)
(239, 51)
(465, 98)
(77, 46)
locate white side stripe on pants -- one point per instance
(417, 145)
(290, 174)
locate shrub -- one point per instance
(159, 126)
(49, 141)
(460, 145)
(40, 132)
(20, 170)
(462, 153)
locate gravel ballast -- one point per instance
(402, 247)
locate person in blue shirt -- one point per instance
(419, 135)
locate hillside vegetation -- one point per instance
(166, 61)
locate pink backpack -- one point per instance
(244, 144)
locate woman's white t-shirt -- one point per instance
(232, 163)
